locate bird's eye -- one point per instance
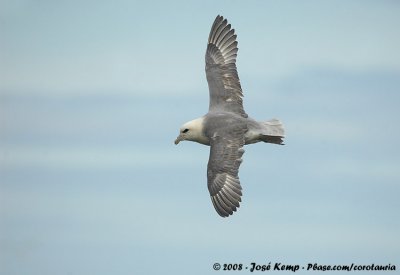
(184, 131)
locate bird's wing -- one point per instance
(222, 172)
(223, 80)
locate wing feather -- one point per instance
(226, 153)
(223, 80)
(228, 40)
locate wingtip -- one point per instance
(226, 202)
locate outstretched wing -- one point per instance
(223, 80)
(222, 172)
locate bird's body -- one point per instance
(226, 128)
(212, 121)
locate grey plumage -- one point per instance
(223, 80)
(226, 127)
(226, 150)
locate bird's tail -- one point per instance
(273, 131)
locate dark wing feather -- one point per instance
(222, 172)
(223, 80)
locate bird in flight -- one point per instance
(226, 128)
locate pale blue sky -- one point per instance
(92, 94)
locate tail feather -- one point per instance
(273, 131)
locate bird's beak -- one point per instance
(178, 139)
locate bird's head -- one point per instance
(191, 130)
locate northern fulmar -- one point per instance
(226, 128)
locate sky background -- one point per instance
(92, 95)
